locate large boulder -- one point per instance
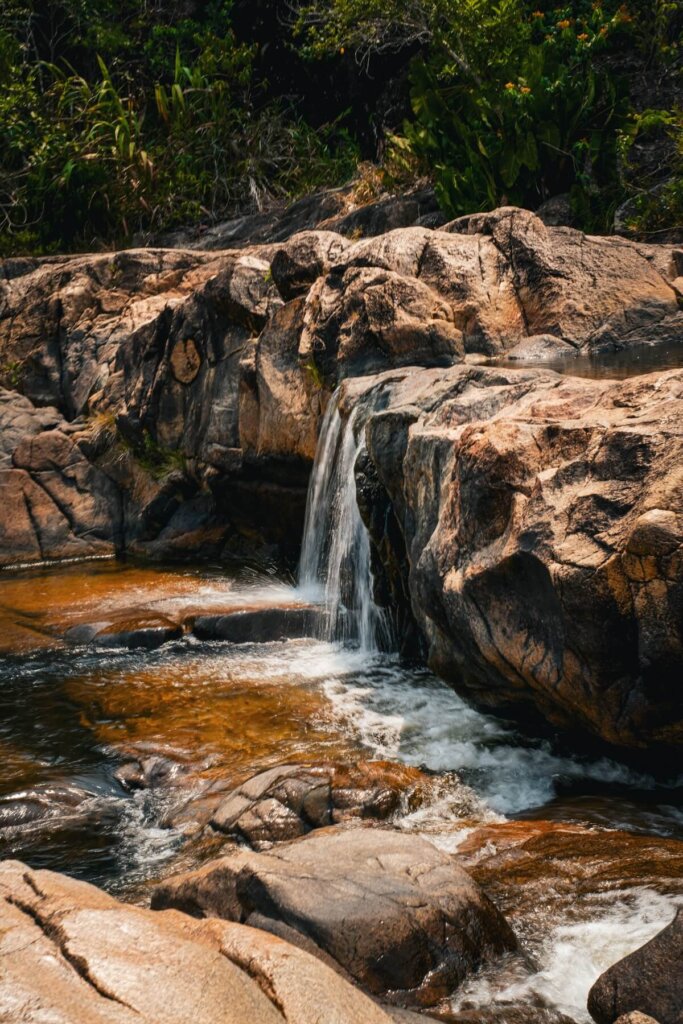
(541, 530)
(402, 918)
(650, 980)
(71, 953)
(182, 391)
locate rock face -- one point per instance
(528, 527)
(167, 402)
(71, 953)
(538, 522)
(649, 980)
(397, 915)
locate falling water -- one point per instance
(335, 557)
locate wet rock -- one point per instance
(153, 772)
(258, 625)
(540, 872)
(399, 916)
(148, 632)
(70, 952)
(289, 801)
(60, 805)
(541, 524)
(650, 981)
(539, 348)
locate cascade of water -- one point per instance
(335, 556)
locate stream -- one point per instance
(71, 715)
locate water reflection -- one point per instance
(619, 365)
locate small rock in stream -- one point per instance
(260, 625)
(59, 804)
(288, 801)
(146, 632)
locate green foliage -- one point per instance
(165, 128)
(156, 459)
(510, 105)
(11, 374)
(124, 118)
(655, 207)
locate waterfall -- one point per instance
(335, 555)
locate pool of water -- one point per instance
(618, 365)
(70, 717)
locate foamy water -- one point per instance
(573, 955)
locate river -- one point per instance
(72, 714)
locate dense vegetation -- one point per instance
(123, 118)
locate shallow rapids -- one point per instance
(70, 717)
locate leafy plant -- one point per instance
(97, 156)
(655, 206)
(510, 104)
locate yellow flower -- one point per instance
(509, 85)
(537, 14)
(525, 89)
(564, 24)
(583, 37)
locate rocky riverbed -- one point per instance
(302, 776)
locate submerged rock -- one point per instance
(397, 915)
(258, 625)
(650, 981)
(527, 865)
(71, 953)
(56, 805)
(142, 631)
(511, 1013)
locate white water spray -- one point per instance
(335, 555)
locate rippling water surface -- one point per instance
(70, 716)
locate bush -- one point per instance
(510, 105)
(154, 139)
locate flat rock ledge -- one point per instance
(394, 913)
(70, 953)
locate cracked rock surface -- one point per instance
(397, 915)
(535, 523)
(69, 952)
(167, 402)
